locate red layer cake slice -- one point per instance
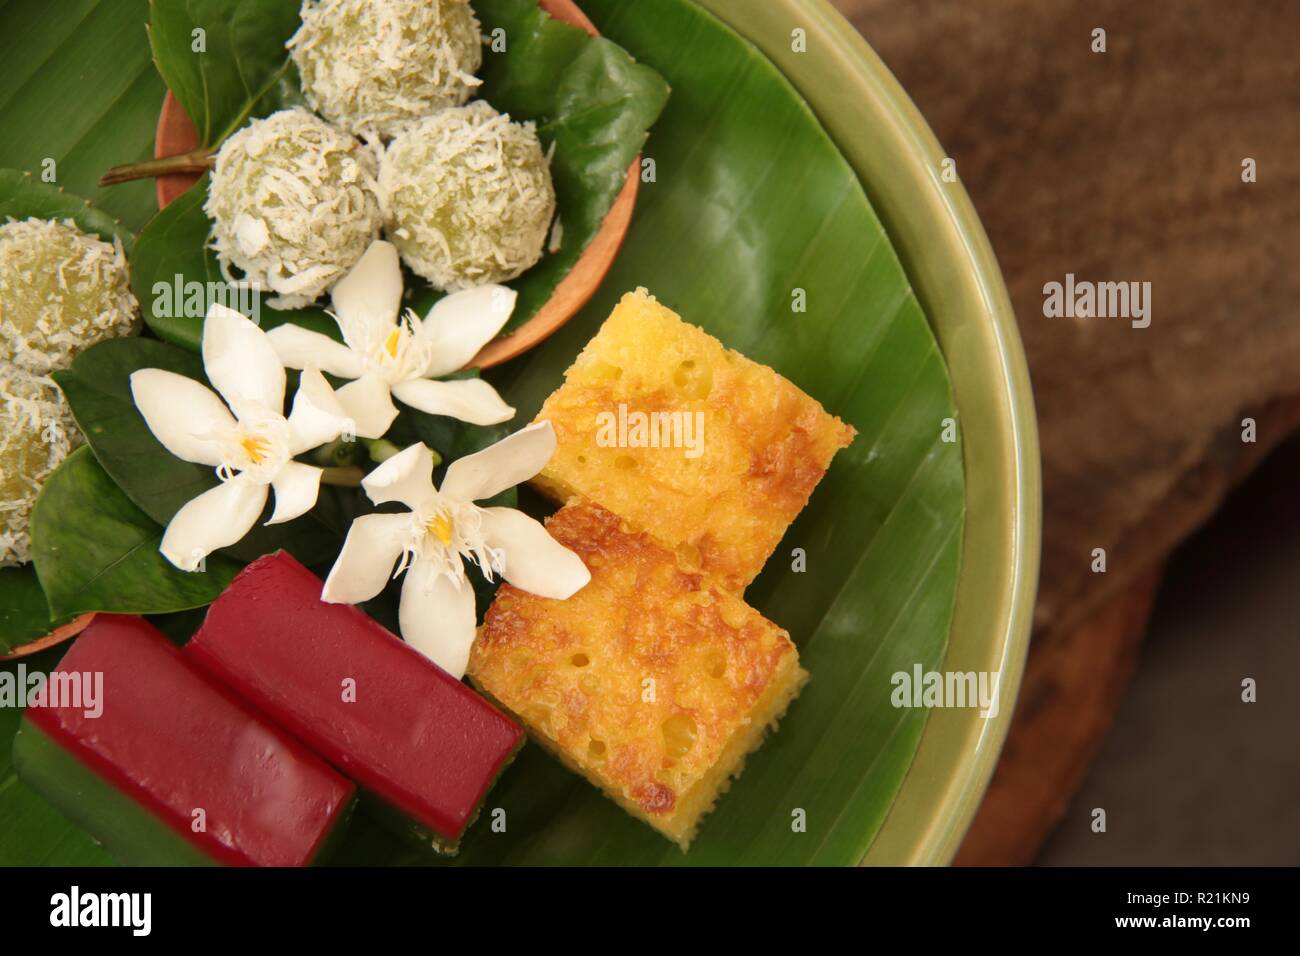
(386, 716)
(162, 766)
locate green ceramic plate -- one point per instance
(947, 255)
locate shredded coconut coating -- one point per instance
(468, 197)
(293, 206)
(378, 67)
(37, 431)
(61, 291)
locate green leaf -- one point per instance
(81, 91)
(98, 388)
(241, 70)
(24, 197)
(596, 113)
(171, 249)
(96, 551)
(24, 613)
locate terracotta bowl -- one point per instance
(56, 636)
(176, 134)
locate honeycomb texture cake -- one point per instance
(710, 452)
(653, 681)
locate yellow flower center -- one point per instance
(390, 344)
(440, 527)
(255, 447)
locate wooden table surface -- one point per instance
(1119, 166)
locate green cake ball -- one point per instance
(378, 67)
(61, 290)
(468, 197)
(293, 206)
(36, 433)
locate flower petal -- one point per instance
(367, 299)
(215, 519)
(462, 323)
(299, 348)
(469, 400)
(437, 617)
(365, 564)
(241, 362)
(406, 477)
(534, 561)
(369, 405)
(182, 414)
(297, 487)
(318, 416)
(512, 460)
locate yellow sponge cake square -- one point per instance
(653, 681)
(711, 453)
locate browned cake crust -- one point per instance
(765, 443)
(653, 681)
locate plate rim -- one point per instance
(955, 274)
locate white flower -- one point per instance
(444, 527)
(389, 355)
(251, 449)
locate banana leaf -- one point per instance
(79, 90)
(750, 206)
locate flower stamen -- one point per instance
(440, 527)
(256, 447)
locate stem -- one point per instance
(349, 477)
(381, 449)
(195, 161)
